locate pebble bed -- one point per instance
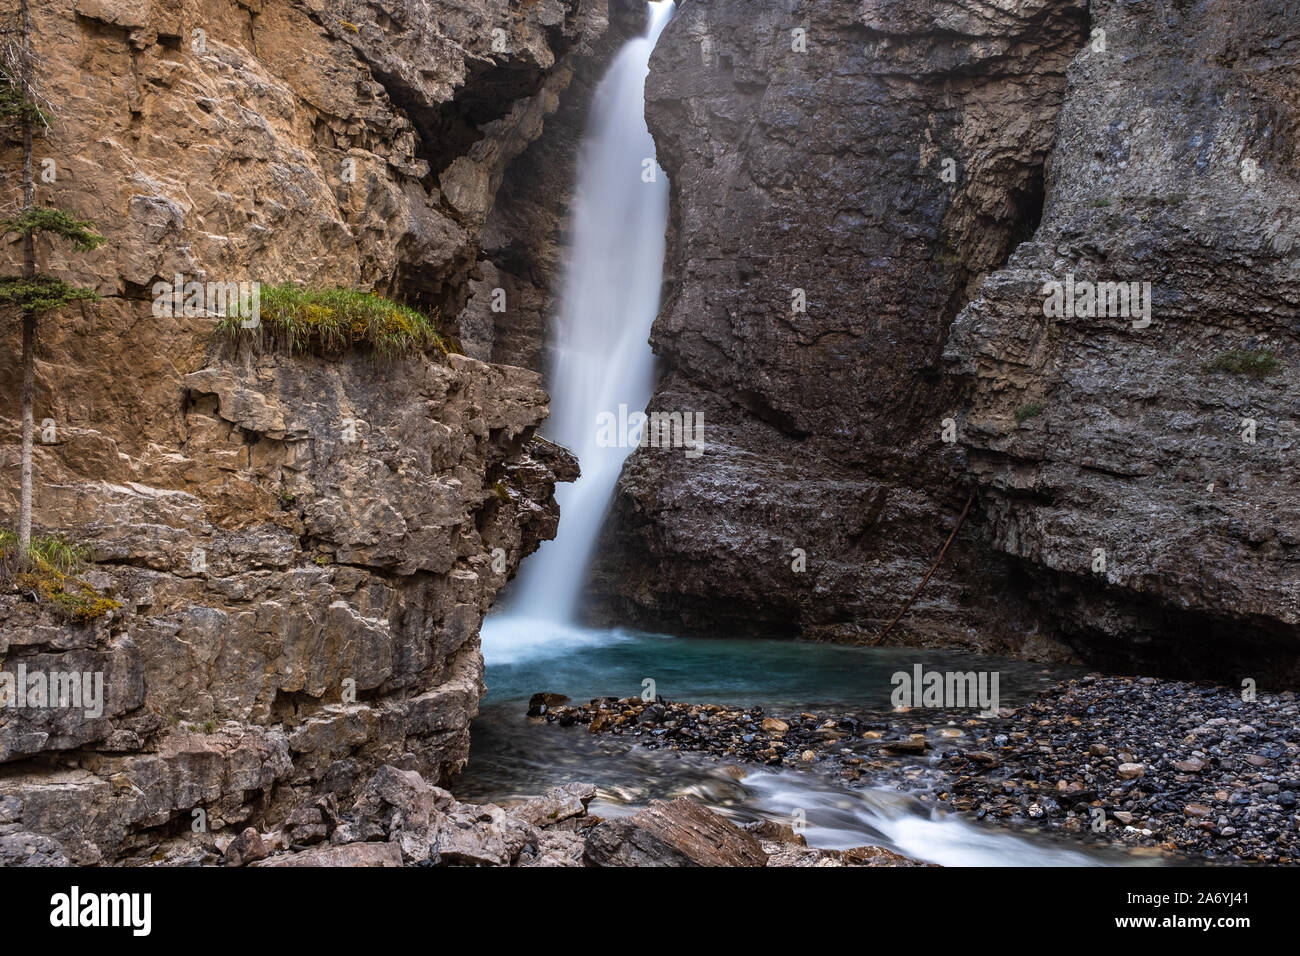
(1159, 767)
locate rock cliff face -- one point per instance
(303, 548)
(837, 193)
(1177, 163)
(883, 177)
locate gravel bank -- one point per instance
(1155, 766)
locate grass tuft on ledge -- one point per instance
(50, 572)
(334, 320)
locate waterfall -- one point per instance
(608, 301)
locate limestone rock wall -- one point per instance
(525, 234)
(303, 547)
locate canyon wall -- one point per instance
(302, 547)
(843, 175)
(855, 302)
(524, 236)
(1168, 443)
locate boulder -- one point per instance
(539, 704)
(471, 835)
(682, 832)
(556, 805)
(554, 848)
(248, 847)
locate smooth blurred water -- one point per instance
(514, 758)
(527, 655)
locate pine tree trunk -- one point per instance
(29, 317)
(29, 381)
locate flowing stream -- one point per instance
(513, 757)
(534, 642)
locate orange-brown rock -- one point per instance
(303, 547)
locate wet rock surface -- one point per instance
(860, 745)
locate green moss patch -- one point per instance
(1257, 364)
(50, 573)
(1028, 411)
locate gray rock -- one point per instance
(556, 805)
(348, 854)
(555, 848)
(680, 833)
(246, 848)
(480, 836)
(31, 849)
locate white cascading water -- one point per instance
(608, 302)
